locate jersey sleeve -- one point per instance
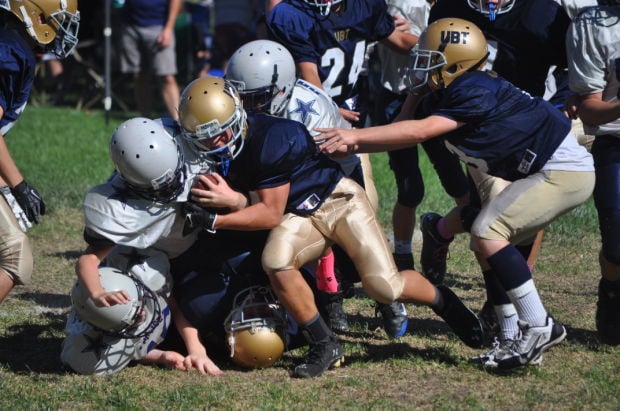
(289, 27)
(384, 25)
(586, 67)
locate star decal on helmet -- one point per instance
(304, 109)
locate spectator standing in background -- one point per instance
(148, 46)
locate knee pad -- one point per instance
(382, 289)
(16, 257)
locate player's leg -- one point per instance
(16, 264)
(606, 153)
(290, 246)
(510, 217)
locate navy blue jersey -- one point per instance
(528, 40)
(508, 133)
(335, 43)
(279, 151)
(17, 64)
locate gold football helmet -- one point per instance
(446, 49)
(256, 328)
(53, 24)
(209, 106)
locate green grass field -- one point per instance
(63, 152)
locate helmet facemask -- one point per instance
(68, 25)
(324, 6)
(425, 65)
(491, 9)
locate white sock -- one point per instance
(528, 304)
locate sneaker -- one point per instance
(403, 261)
(608, 312)
(532, 342)
(321, 357)
(434, 249)
(488, 319)
(337, 318)
(498, 348)
(394, 317)
(463, 321)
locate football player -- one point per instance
(308, 204)
(593, 42)
(404, 163)
(263, 72)
(328, 41)
(26, 28)
(141, 206)
(504, 132)
(517, 31)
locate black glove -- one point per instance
(197, 217)
(29, 200)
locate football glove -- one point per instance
(197, 217)
(29, 200)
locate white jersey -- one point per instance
(573, 7)
(593, 44)
(394, 64)
(314, 108)
(135, 225)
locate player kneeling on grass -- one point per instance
(504, 132)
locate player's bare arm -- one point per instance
(87, 270)
(212, 190)
(594, 111)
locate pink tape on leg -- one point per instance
(325, 275)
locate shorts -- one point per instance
(141, 53)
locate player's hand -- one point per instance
(402, 24)
(349, 115)
(29, 200)
(336, 141)
(110, 298)
(212, 191)
(197, 217)
(202, 363)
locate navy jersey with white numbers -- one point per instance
(279, 151)
(523, 43)
(17, 64)
(335, 43)
(508, 133)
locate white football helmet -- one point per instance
(491, 9)
(52, 24)
(139, 318)
(263, 72)
(324, 6)
(256, 328)
(149, 159)
(209, 107)
(91, 352)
